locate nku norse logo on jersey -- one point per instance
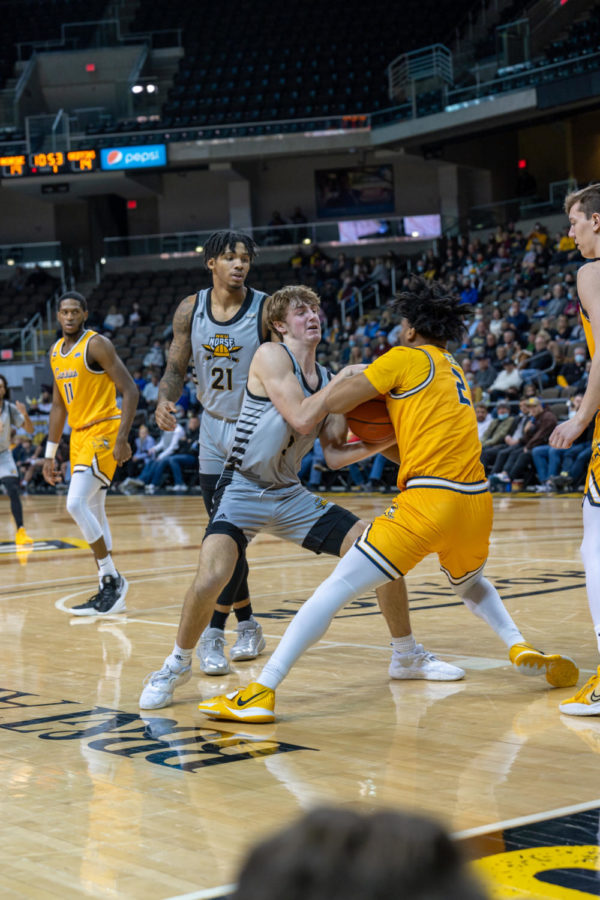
(221, 346)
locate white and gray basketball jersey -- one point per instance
(9, 415)
(266, 449)
(223, 352)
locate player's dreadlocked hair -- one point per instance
(221, 241)
(431, 310)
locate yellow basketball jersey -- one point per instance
(430, 405)
(89, 396)
(587, 328)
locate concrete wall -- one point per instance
(24, 218)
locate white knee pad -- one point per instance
(97, 504)
(82, 489)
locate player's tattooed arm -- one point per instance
(171, 384)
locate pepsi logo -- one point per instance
(114, 157)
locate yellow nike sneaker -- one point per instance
(561, 671)
(23, 552)
(586, 701)
(22, 537)
(255, 703)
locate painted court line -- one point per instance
(211, 893)
(527, 820)
(207, 894)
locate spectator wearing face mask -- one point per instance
(572, 373)
(477, 318)
(484, 418)
(493, 438)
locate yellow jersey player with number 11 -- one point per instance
(87, 372)
(444, 505)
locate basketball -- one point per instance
(370, 421)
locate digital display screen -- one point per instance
(361, 191)
(55, 162)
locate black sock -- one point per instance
(244, 613)
(218, 619)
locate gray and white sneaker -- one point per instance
(210, 652)
(250, 641)
(159, 686)
(421, 664)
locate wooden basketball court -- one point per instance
(99, 800)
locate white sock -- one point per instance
(106, 567)
(404, 646)
(179, 658)
(482, 598)
(590, 554)
(353, 575)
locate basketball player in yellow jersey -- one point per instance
(87, 372)
(583, 209)
(444, 505)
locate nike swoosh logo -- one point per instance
(240, 702)
(594, 697)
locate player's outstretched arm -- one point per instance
(171, 384)
(588, 288)
(104, 354)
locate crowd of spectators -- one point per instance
(524, 356)
(524, 341)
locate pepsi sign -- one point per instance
(137, 157)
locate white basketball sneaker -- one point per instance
(159, 686)
(421, 664)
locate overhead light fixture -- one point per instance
(414, 234)
(199, 248)
(306, 241)
(102, 260)
(151, 88)
(137, 88)
(10, 261)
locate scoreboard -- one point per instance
(53, 163)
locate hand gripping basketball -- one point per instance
(370, 422)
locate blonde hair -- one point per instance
(587, 197)
(290, 296)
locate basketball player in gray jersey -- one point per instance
(283, 412)
(221, 328)
(12, 414)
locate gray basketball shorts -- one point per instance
(8, 468)
(242, 509)
(216, 439)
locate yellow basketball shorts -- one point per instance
(592, 482)
(421, 521)
(92, 447)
